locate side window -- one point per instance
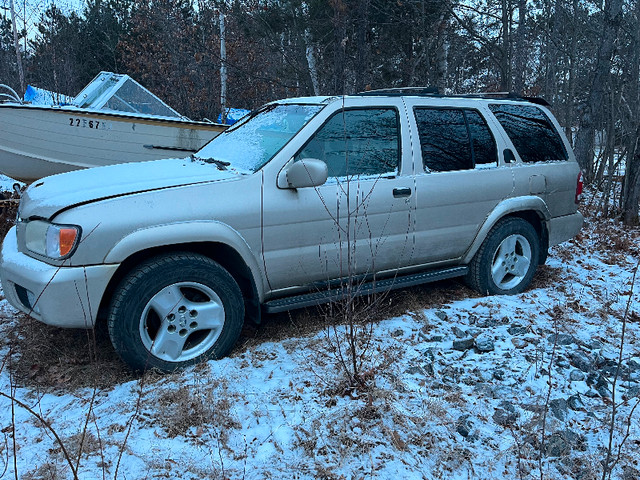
(531, 132)
(357, 142)
(454, 139)
(485, 152)
(444, 139)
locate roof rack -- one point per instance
(433, 92)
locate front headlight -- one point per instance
(51, 240)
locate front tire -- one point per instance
(507, 259)
(175, 310)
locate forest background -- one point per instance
(583, 56)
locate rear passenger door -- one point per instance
(458, 179)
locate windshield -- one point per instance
(253, 143)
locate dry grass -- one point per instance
(190, 409)
(47, 357)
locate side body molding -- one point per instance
(188, 232)
(504, 208)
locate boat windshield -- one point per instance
(120, 93)
(250, 145)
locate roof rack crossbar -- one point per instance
(433, 92)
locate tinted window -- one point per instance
(357, 142)
(454, 139)
(531, 132)
(484, 146)
(444, 139)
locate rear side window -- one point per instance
(454, 139)
(357, 142)
(531, 132)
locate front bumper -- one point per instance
(61, 296)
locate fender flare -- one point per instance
(173, 234)
(503, 209)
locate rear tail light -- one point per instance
(579, 187)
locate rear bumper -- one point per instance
(60, 296)
(564, 228)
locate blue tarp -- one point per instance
(40, 96)
(233, 115)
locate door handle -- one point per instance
(402, 192)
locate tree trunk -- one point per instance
(362, 45)
(311, 62)
(631, 190)
(505, 64)
(223, 68)
(17, 45)
(442, 52)
(340, 45)
(595, 102)
(521, 48)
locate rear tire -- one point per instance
(507, 259)
(175, 310)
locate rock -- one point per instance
(431, 339)
(633, 365)
(630, 473)
(397, 333)
(442, 315)
(482, 375)
(484, 343)
(416, 370)
(464, 344)
(633, 392)
(519, 343)
(580, 361)
(591, 393)
(577, 376)
(486, 322)
(562, 339)
(500, 391)
(517, 329)
(458, 332)
(575, 402)
(561, 443)
(474, 332)
(602, 386)
(429, 355)
(559, 408)
(498, 374)
(595, 345)
(505, 414)
(464, 425)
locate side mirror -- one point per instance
(308, 172)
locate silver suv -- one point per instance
(390, 188)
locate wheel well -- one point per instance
(540, 226)
(221, 253)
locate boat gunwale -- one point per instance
(122, 116)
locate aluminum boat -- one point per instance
(112, 120)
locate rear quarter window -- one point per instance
(531, 132)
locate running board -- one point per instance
(335, 294)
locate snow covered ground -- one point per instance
(459, 387)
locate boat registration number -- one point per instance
(86, 123)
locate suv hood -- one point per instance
(47, 196)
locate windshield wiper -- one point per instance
(221, 164)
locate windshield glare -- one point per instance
(252, 144)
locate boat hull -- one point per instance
(39, 141)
